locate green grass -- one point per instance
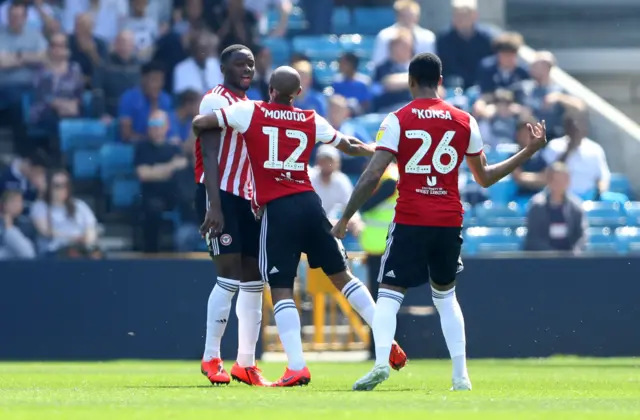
(557, 388)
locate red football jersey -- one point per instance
(279, 140)
(429, 138)
(233, 162)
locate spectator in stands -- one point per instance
(259, 10)
(86, 49)
(530, 177)
(555, 220)
(503, 69)
(38, 15)
(26, 174)
(353, 85)
(14, 244)
(120, 72)
(309, 98)
(391, 76)
(462, 47)
(201, 71)
(407, 18)
(107, 15)
(264, 66)
(501, 119)
(187, 108)
(585, 159)
(21, 50)
(66, 225)
(157, 165)
(332, 186)
(58, 87)
(543, 98)
(189, 14)
(145, 29)
(137, 103)
(237, 25)
(338, 116)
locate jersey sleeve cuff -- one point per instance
(335, 140)
(222, 118)
(474, 154)
(386, 149)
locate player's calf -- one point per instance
(289, 329)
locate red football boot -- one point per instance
(397, 357)
(215, 373)
(294, 378)
(249, 375)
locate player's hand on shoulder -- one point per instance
(213, 222)
(537, 135)
(339, 230)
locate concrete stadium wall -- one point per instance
(155, 309)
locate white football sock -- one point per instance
(384, 323)
(360, 299)
(249, 312)
(288, 323)
(218, 310)
(452, 323)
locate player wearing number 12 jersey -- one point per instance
(280, 139)
(428, 138)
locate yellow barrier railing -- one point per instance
(325, 331)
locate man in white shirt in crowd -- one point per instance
(201, 71)
(407, 16)
(585, 159)
(332, 186)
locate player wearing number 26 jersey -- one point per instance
(428, 138)
(279, 140)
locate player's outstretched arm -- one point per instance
(486, 175)
(366, 184)
(205, 122)
(355, 147)
(210, 146)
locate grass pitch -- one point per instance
(558, 388)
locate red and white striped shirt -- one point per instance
(235, 171)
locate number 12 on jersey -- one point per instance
(291, 163)
(442, 149)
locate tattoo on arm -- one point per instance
(367, 182)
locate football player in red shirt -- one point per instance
(280, 139)
(428, 138)
(226, 193)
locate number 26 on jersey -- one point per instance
(443, 148)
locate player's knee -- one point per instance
(442, 285)
(278, 294)
(392, 287)
(341, 279)
(229, 266)
(250, 269)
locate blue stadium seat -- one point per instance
(321, 48)
(502, 191)
(32, 131)
(324, 72)
(628, 239)
(280, 50)
(81, 133)
(620, 184)
(341, 20)
(124, 193)
(371, 20)
(601, 240)
(86, 164)
(604, 213)
(632, 210)
(470, 219)
(361, 45)
(370, 122)
(495, 155)
(499, 214)
(297, 20)
(87, 104)
(367, 68)
(351, 243)
(486, 240)
(116, 161)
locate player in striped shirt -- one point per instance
(225, 195)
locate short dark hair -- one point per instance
(153, 66)
(188, 96)
(426, 70)
(351, 58)
(228, 52)
(508, 42)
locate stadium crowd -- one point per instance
(107, 89)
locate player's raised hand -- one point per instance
(213, 222)
(339, 230)
(537, 135)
